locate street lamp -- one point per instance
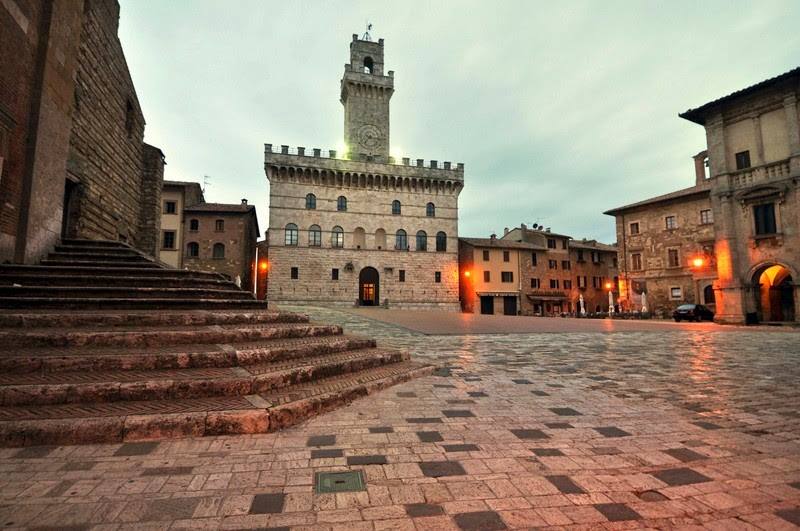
(698, 262)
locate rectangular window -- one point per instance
(594, 282)
(535, 283)
(219, 225)
(742, 160)
(437, 276)
(580, 255)
(533, 259)
(194, 225)
(670, 222)
(487, 276)
(615, 262)
(170, 207)
(634, 228)
(675, 293)
(582, 282)
(485, 256)
(672, 258)
(553, 283)
(507, 276)
(595, 257)
(402, 275)
(552, 264)
(563, 244)
(334, 274)
(706, 217)
(295, 273)
(506, 256)
(168, 240)
(567, 284)
(551, 243)
(565, 265)
(764, 216)
(636, 262)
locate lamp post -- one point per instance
(609, 287)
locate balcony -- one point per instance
(759, 174)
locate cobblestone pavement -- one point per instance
(675, 429)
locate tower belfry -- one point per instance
(365, 94)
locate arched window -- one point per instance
(380, 239)
(314, 236)
(337, 237)
(368, 65)
(708, 295)
(219, 250)
(290, 237)
(401, 240)
(359, 238)
(194, 224)
(430, 210)
(193, 250)
(341, 204)
(311, 202)
(396, 207)
(441, 241)
(422, 241)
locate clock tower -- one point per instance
(365, 94)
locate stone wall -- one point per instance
(150, 200)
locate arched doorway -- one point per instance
(774, 293)
(368, 287)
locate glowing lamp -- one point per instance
(263, 266)
(608, 285)
(697, 262)
(466, 274)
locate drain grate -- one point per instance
(339, 481)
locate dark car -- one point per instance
(692, 312)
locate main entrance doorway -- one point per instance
(487, 305)
(774, 294)
(509, 305)
(368, 287)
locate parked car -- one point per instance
(692, 312)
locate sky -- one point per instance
(559, 110)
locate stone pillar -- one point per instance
(793, 130)
(149, 228)
(759, 159)
(715, 139)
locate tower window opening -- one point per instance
(368, 65)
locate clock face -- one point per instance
(369, 136)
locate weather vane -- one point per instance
(367, 36)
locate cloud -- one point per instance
(560, 110)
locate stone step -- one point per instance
(119, 290)
(96, 243)
(177, 384)
(129, 257)
(159, 337)
(114, 422)
(88, 262)
(18, 270)
(134, 281)
(144, 318)
(91, 250)
(89, 303)
(71, 359)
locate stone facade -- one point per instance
(176, 196)
(337, 220)
(71, 132)
(750, 253)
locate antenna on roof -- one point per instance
(367, 36)
(206, 181)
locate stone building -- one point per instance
(561, 270)
(362, 227)
(204, 236)
(72, 157)
(489, 269)
(660, 241)
(742, 220)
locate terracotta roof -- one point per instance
(593, 245)
(679, 194)
(220, 207)
(501, 244)
(180, 183)
(698, 115)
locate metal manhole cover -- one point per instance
(339, 481)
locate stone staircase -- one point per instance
(112, 369)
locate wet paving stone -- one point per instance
(457, 413)
(522, 381)
(527, 434)
(617, 512)
(558, 425)
(406, 394)
(565, 485)
(547, 452)
(540, 393)
(268, 503)
(76, 466)
(381, 429)
(34, 452)
(169, 509)
(477, 394)
(424, 420)
(366, 460)
(684, 454)
(611, 431)
(479, 521)
(321, 440)
(136, 448)
(707, 425)
(790, 515)
(680, 476)
(651, 496)
(461, 448)
(565, 411)
(418, 510)
(429, 436)
(168, 471)
(437, 469)
(326, 454)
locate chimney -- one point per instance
(505, 231)
(523, 226)
(493, 237)
(700, 167)
(244, 201)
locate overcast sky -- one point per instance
(559, 110)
